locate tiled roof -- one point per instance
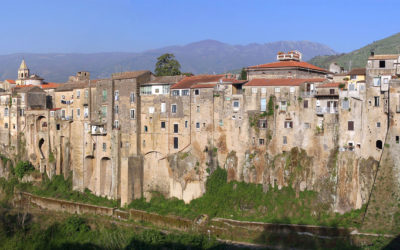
(233, 80)
(72, 85)
(50, 85)
(330, 85)
(282, 82)
(10, 81)
(187, 82)
(27, 88)
(357, 71)
(383, 57)
(289, 64)
(203, 86)
(166, 79)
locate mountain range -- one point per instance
(203, 57)
(358, 58)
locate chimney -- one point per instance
(372, 53)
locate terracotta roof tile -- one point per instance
(282, 82)
(203, 86)
(289, 64)
(10, 81)
(330, 85)
(50, 85)
(187, 82)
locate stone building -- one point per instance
(129, 135)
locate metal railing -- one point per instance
(326, 110)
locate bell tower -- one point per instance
(23, 73)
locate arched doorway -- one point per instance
(105, 176)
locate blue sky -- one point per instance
(129, 25)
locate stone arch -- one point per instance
(41, 124)
(89, 176)
(105, 176)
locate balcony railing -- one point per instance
(326, 110)
(307, 94)
(99, 130)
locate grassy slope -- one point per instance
(358, 58)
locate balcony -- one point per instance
(326, 110)
(98, 129)
(307, 94)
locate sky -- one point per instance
(88, 26)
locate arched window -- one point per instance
(379, 144)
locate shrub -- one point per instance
(22, 168)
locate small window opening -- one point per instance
(379, 144)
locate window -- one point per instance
(185, 92)
(382, 64)
(6, 125)
(261, 141)
(262, 123)
(165, 89)
(86, 93)
(58, 126)
(186, 124)
(288, 124)
(6, 112)
(379, 144)
(331, 91)
(52, 113)
(377, 81)
(378, 124)
(116, 109)
(145, 90)
(197, 125)
(78, 94)
(116, 124)
(254, 90)
(305, 104)
(145, 129)
(397, 139)
(176, 143)
(283, 105)
(197, 92)
(132, 114)
(284, 140)
(292, 89)
(345, 104)
(351, 87)
(263, 105)
(104, 111)
(163, 107)
(353, 77)
(277, 90)
(221, 123)
(162, 124)
(376, 101)
(173, 108)
(63, 113)
(104, 95)
(78, 112)
(307, 125)
(236, 104)
(104, 147)
(157, 91)
(350, 125)
(176, 128)
(263, 90)
(175, 92)
(116, 95)
(132, 97)
(151, 110)
(86, 112)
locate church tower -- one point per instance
(23, 73)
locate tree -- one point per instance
(243, 74)
(167, 65)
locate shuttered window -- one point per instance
(350, 125)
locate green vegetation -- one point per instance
(271, 106)
(167, 65)
(244, 201)
(91, 233)
(358, 58)
(22, 168)
(243, 74)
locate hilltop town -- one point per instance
(134, 133)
